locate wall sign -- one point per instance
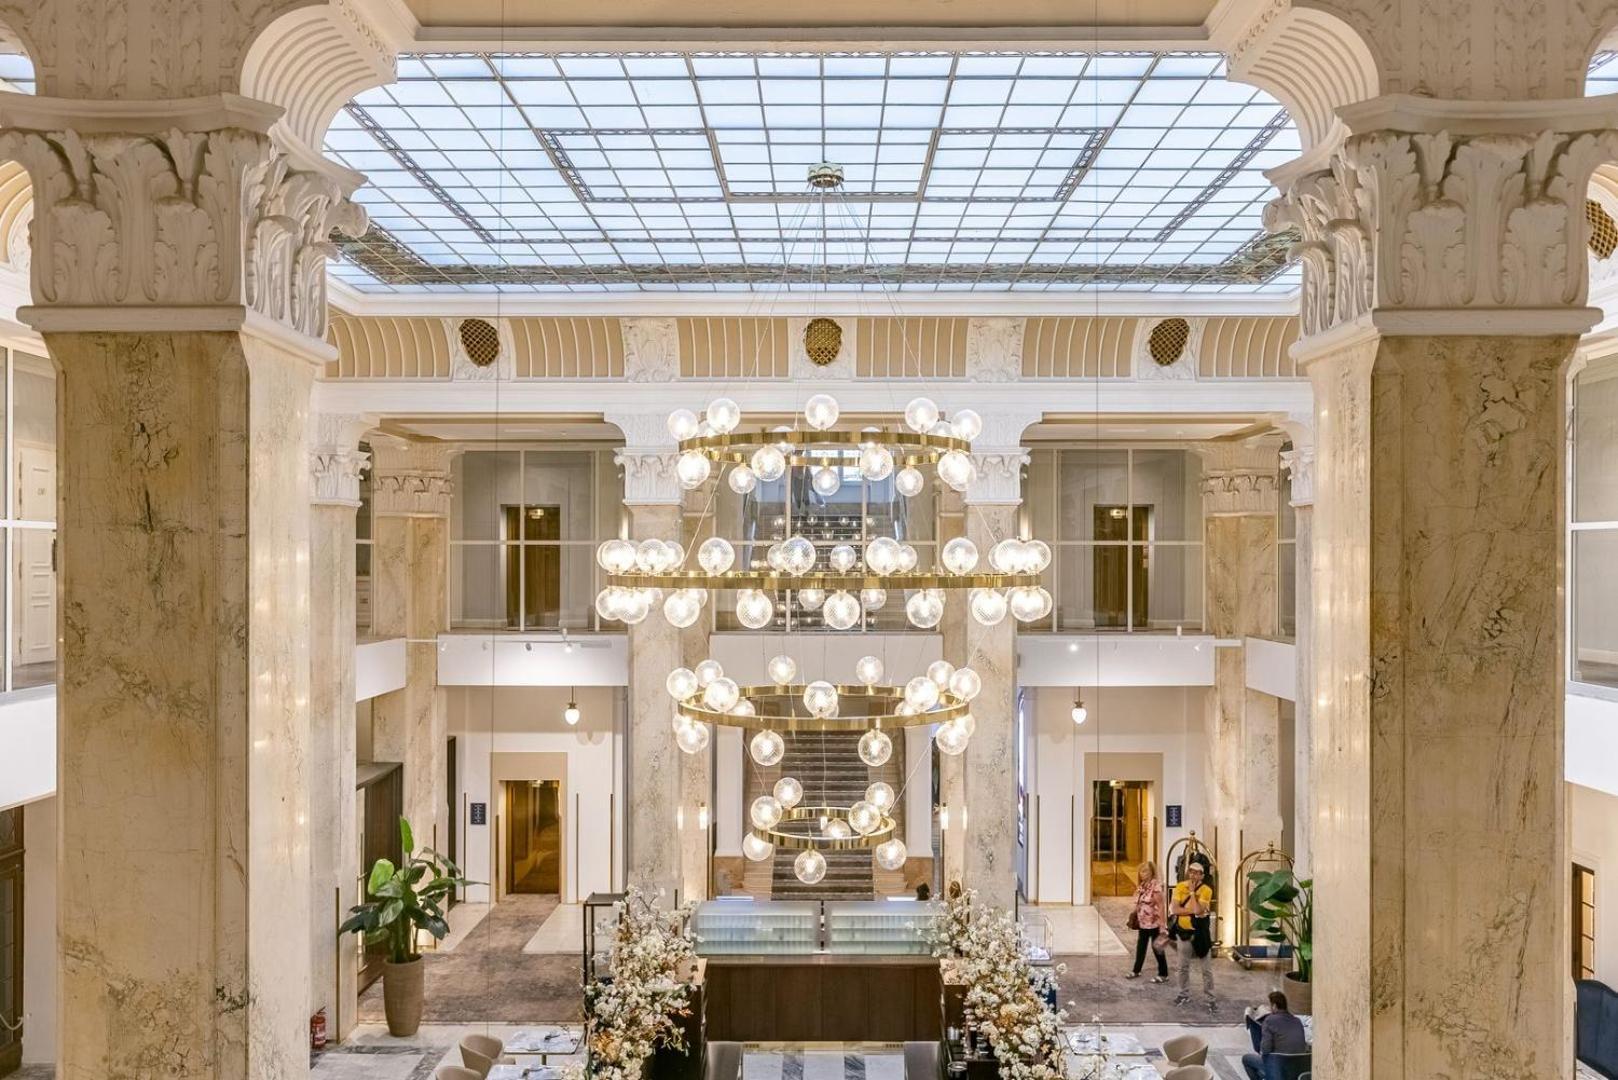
(1172, 815)
(480, 813)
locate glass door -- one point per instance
(1120, 835)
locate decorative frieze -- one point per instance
(994, 349)
(192, 219)
(1239, 479)
(1433, 222)
(410, 479)
(998, 479)
(651, 350)
(649, 477)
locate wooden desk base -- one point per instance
(822, 998)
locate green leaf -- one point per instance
(381, 873)
(393, 887)
(390, 912)
(406, 837)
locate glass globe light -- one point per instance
(811, 599)
(868, 670)
(649, 555)
(955, 469)
(950, 739)
(1080, 713)
(960, 556)
(679, 721)
(820, 698)
(940, 672)
(635, 607)
(873, 599)
(1036, 555)
(721, 694)
(715, 555)
(692, 469)
(875, 748)
(966, 684)
(809, 866)
(923, 609)
(683, 424)
(754, 609)
(910, 481)
(743, 708)
(826, 480)
(788, 791)
(681, 684)
(765, 812)
(767, 748)
(674, 555)
(943, 429)
(921, 692)
(769, 463)
(797, 555)
(891, 854)
(742, 479)
(681, 608)
(820, 411)
(864, 818)
(616, 556)
(707, 672)
(1030, 603)
(988, 606)
(1007, 555)
(841, 611)
(775, 558)
(876, 463)
(692, 739)
(837, 829)
(907, 558)
(882, 555)
(881, 796)
(782, 669)
(607, 604)
(756, 848)
(724, 414)
(967, 723)
(921, 414)
(966, 424)
(843, 558)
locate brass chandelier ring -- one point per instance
(830, 581)
(808, 841)
(949, 708)
(926, 447)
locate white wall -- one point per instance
(1164, 721)
(1593, 816)
(487, 721)
(1272, 668)
(28, 739)
(533, 659)
(379, 667)
(1070, 660)
(39, 932)
(1592, 742)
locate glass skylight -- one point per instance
(686, 171)
(16, 73)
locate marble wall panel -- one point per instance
(655, 649)
(989, 860)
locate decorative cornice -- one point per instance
(410, 479)
(335, 459)
(1300, 467)
(1428, 229)
(180, 219)
(1239, 479)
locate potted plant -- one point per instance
(1283, 910)
(404, 900)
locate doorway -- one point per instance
(1121, 565)
(534, 577)
(1120, 835)
(533, 814)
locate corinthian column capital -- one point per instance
(410, 479)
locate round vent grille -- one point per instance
(481, 341)
(1603, 230)
(822, 340)
(1167, 341)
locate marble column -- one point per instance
(989, 861)
(656, 849)
(185, 363)
(696, 771)
(1239, 484)
(952, 769)
(1300, 464)
(410, 504)
(1440, 861)
(335, 465)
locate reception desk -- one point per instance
(811, 971)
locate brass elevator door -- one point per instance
(1119, 835)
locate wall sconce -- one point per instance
(571, 714)
(943, 816)
(1080, 713)
(702, 816)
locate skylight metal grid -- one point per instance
(684, 171)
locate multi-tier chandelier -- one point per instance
(705, 696)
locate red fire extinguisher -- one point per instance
(317, 1031)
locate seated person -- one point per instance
(1278, 1032)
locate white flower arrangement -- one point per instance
(984, 948)
(629, 1015)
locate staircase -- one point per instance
(829, 767)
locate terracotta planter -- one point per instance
(1299, 995)
(401, 996)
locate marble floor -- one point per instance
(1077, 930)
(561, 932)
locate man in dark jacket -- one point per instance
(1278, 1032)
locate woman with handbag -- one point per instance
(1146, 919)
